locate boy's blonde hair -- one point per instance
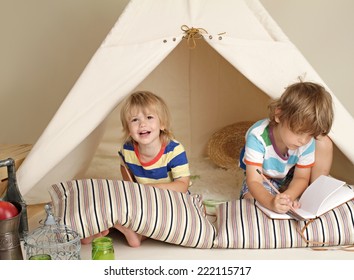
(306, 107)
(143, 100)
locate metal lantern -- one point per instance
(53, 239)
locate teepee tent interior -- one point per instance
(215, 62)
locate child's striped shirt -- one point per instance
(171, 163)
(261, 151)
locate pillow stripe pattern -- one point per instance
(89, 206)
(241, 224)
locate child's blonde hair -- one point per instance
(306, 107)
(143, 100)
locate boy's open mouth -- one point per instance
(144, 132)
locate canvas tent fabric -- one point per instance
(241, 31)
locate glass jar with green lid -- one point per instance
(102, 248)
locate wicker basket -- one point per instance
(225, 145)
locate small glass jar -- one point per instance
(102, 248)
(40, 257)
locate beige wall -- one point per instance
(44, 47)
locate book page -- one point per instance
(321, 196)
(305, 214)
(271, 214)
(298, 215)
(314, 196)
(342, 195)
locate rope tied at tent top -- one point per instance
(192, 34)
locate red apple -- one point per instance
(7, 210)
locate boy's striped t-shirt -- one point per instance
(171, 163)
(261, 151)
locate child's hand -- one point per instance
(281, 203)
(296, 204)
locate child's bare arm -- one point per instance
(298, 184)
(126, 174)
(178, 185)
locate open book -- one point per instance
(324, 194)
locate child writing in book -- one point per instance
(291, 148)
(150, 152)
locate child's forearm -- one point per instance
(261, 194)
(296, 188)
(178, 185)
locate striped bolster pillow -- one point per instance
(241, 224)
(89, 206)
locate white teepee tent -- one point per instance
(147, 33)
